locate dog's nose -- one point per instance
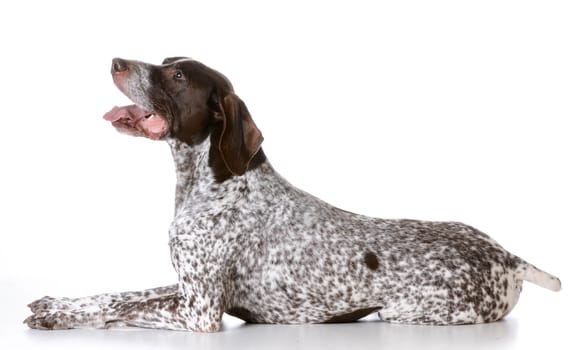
(119, 65)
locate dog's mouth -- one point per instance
(136, 121)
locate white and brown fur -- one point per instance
(246, 242)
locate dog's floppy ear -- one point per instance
(173, 59)
(240, 139)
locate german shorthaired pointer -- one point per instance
(246, 242)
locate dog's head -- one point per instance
(188, 101)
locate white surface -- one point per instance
(451, 110)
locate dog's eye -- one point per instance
(179, 75)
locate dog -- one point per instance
(246, 242)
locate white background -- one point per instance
(441, 110)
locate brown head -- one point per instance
(185, 100)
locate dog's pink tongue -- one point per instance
(132, 112)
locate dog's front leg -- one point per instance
(201, 284)
(151, 308)
(161, 308)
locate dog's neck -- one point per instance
(190, 167)
(196, 178)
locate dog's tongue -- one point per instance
(136, 121)
(132, 112)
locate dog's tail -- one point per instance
(528, 272)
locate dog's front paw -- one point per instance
(50, 320)
(50, 303)
(206, 326)
(52, 313)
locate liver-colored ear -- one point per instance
(240, 139)
(173, 59)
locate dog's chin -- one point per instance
(136, 121)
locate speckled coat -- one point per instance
(246, 242)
